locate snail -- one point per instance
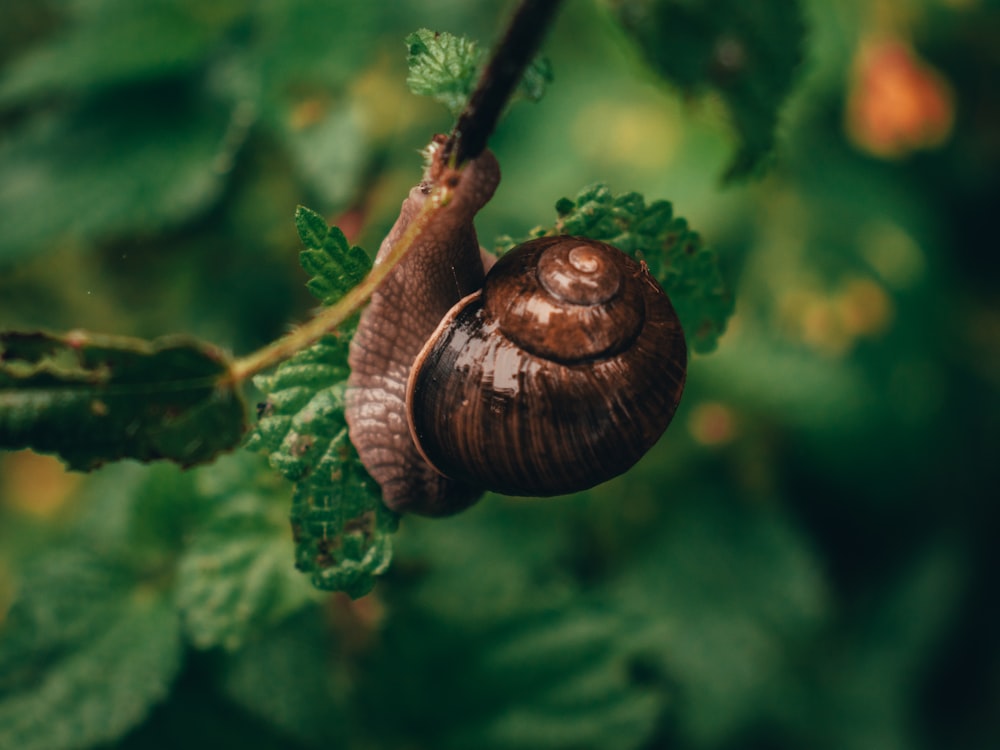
(554, 372)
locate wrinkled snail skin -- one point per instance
(441, 268)
(559, 375)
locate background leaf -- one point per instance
(92, 639)
(296, 680)
(751, 594)
(508, 685)
(121, 672)
(236, 574)
(125, 150)
(113, 43)
(747, 52)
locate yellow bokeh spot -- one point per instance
(385, 105)
(643, 136)
(35, 484)
(833, 322)
(864, 308)
(308, 112)
(822, 329)
(893, 253)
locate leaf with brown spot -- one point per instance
(93, 398)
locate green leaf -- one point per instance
(112, 43)
(747, 51)
(342, 530)
(297, 679)
(537, 76)
(552, 679)
(446, 68)
(142, 159)
(296, 56)
(687, 271)
(92, 398)
(521, 655)
(100, 656)
(62, 599)
(340, 526)
(442, 66)
(235, 576)
(331, 154)
(143, 515)
(470, 576)
(334, 265)
(570, 673)
(723, 600)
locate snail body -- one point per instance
(444, 266)
(552, 373)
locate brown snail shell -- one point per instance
(573, 355)
(558, 375)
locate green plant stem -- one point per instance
(313, 330)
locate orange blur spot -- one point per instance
(712, 423)
(35, 484)
(896, 102)
(307, 113)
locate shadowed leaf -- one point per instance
(150, 157)
(81, 672)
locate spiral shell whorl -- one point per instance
(529, 393)
(567, 300)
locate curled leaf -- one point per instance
(94, 398)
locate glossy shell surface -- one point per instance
(560, 374)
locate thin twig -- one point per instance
(313, 330)
(499, 78)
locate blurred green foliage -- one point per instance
(807, 559)
(748, 51)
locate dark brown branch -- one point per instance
(499, 78)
